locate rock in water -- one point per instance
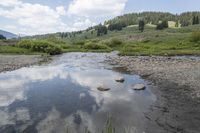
(103, 88)
(139, 87)
(121, 80)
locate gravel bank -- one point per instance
(13, 62)
(176, 82)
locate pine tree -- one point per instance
(194, 20)
(177, 24)
(141, 25)
(197, 20)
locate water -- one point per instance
(62, 97)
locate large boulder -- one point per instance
(120, 79)
(139, 87)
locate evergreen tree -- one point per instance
(162, 25)
(101, 29)
(194, 20)
(177, 24)
(197, 20)
(165, 24)
(141, 25)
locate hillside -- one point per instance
(8, 35)
(185, 19)
(128, 40)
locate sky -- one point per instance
(30, 17)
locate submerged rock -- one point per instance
(120, 79)
(101, 88)
(139, 87)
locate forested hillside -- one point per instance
(185, 19)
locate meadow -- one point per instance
(128, 41)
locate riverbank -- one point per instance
(13, 62)
(175, 81)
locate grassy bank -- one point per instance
(129, 41)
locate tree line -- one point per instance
(185, 19)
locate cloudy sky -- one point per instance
(46, 16)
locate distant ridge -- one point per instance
(8, 35)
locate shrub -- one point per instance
(114, 42)
(25, 44)
(79, 43)
(195, 37)
(95, 46)
(40, 46)
(65, 46)
(53, 50)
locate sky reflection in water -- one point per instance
(63, 96)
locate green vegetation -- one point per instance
(162, 25)
(42, 46)
(185, 19)
(141, 25)
(164, 34)
(195, 37)
(14, 50)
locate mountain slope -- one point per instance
(8, 35)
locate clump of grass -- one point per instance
(81, 43)
(13, 50)
(195, 36)
(95, 46)
(114, 42)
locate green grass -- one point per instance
(15, 50)
(168, 42)
(129, 41)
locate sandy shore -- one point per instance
(13, 62)
(176, 83)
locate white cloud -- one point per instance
(30, 19)
(61, 10)
(96, 7)
(34, 18)
(8, 3)
(82, 24)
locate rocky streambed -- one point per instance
(13, 62)
(176, 83)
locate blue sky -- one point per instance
(47, 16)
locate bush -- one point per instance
(65, 46)
(195, 37)
(79, 43)
(25, 44)
(114, 42)
(53, 50)
(95, 46)
(40, 46)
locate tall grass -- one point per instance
(195, 36)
